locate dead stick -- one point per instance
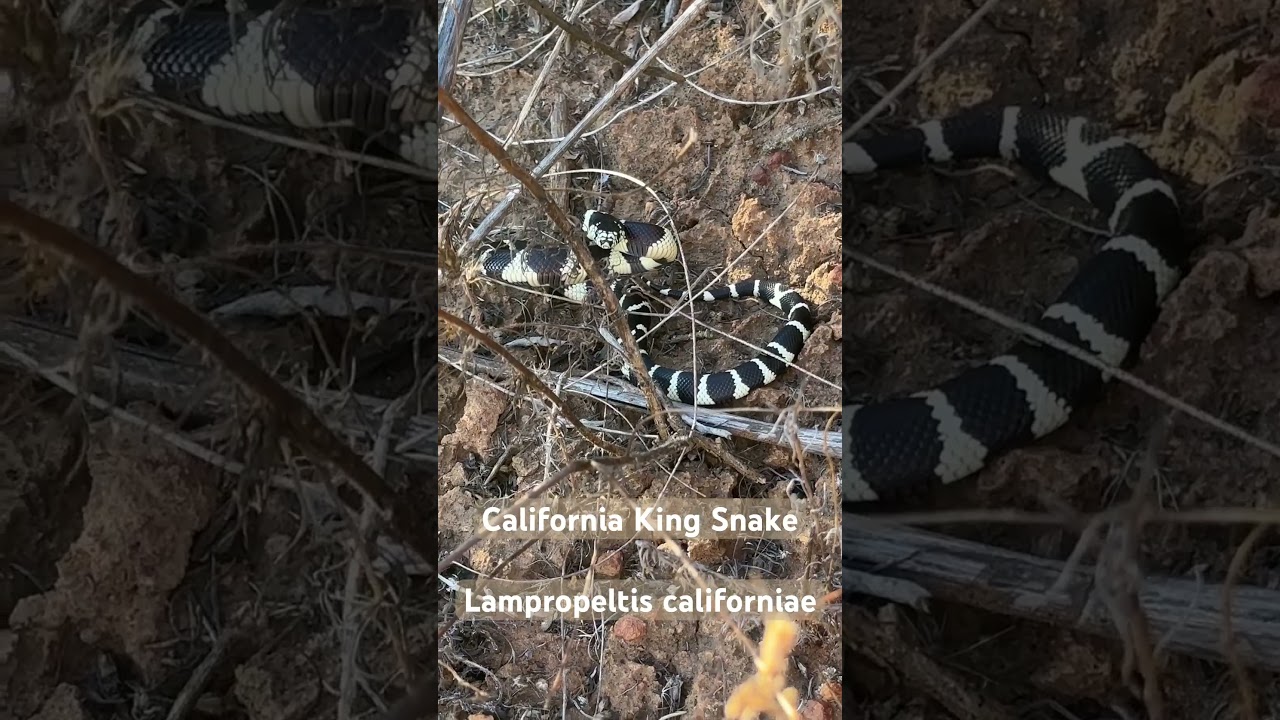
(1186, 614)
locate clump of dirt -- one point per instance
(145, 506)
(1192, 83)
(745, 167)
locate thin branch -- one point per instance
(129, 372)
(1248, 701)
(353, 612)
(351, 156)
(200, 676)
(453, 24)
(711, 421)
(1021, 585)
(885, 642)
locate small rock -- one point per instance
(817, 710)
(1264, 270)
(1197, 310)
(779, 457)
(63, 704)
(475, 429)
(1057, 472)
(633, 691)
(1260, 93)
(630, 629)
(1074, 668)
(707, 552)
(277, 545)
(610, 564)
(831, 692)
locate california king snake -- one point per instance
(629, 247)
(370, 67)
(949, 432)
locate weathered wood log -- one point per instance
(712, 421)
(132, 373)
(1185, 616)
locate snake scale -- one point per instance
(950, 431)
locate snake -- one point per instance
(947, 433)
(629, 247)
(366, 68)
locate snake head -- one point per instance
(603, 229)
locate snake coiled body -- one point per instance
(370, 68)
(950, 431)
(626, 248)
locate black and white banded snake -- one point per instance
(949, 432)
(367, 68)
(631, 247)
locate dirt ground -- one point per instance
(1195, 83)
(750, 180)
(159, 555)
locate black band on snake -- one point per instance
(949, 432)
(370, 68)
(627, 248)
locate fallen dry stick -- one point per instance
(814, 441)
(1185, 616)
(131, 373)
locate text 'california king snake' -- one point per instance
(628, 247)
(949, 432)
(370, 68)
